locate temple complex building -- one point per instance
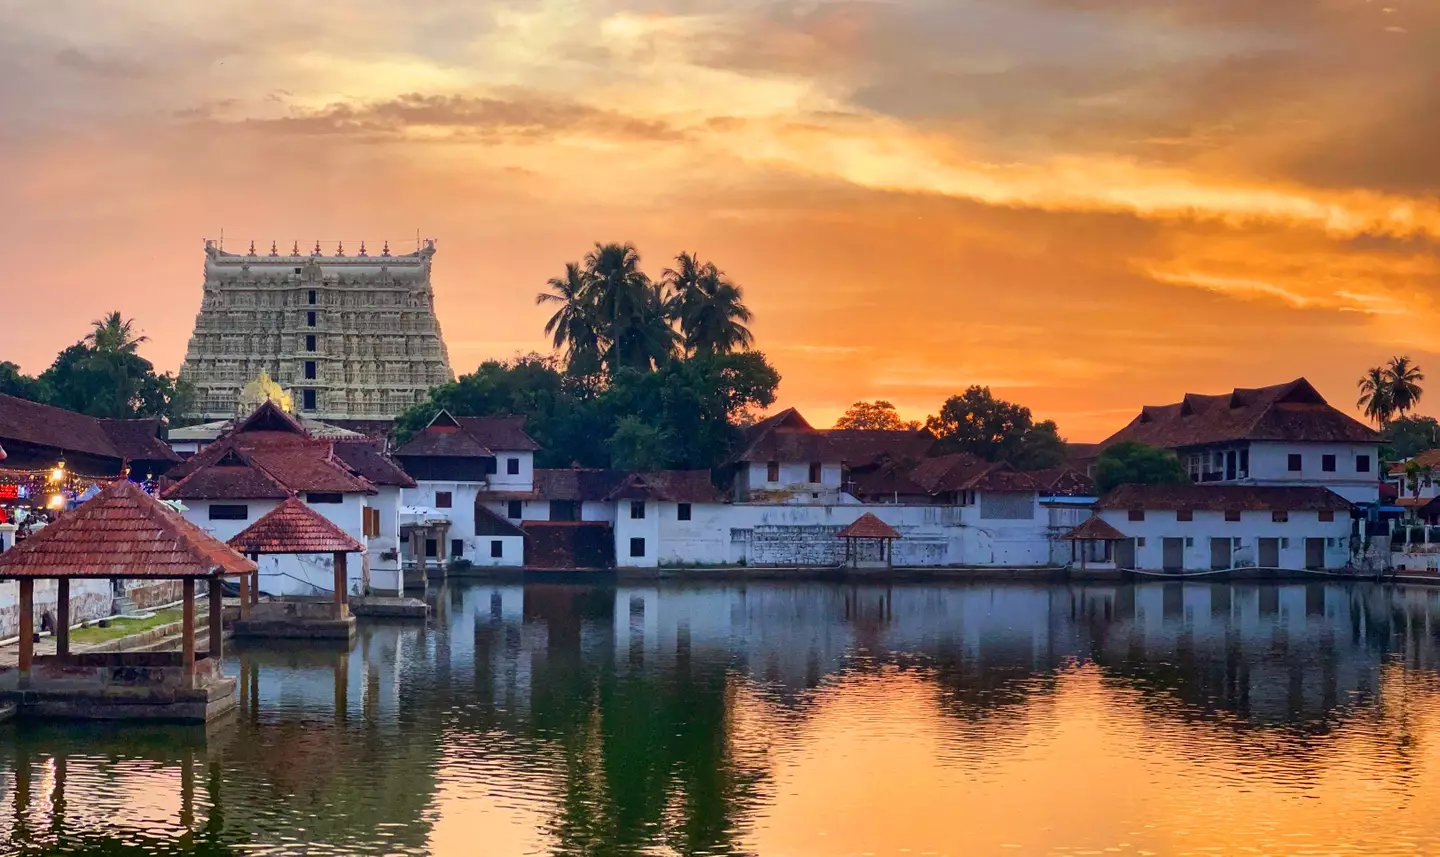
(352, 337)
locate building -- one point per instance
(354, 336)
(785, 459)
(1286, 434)
(38, 437)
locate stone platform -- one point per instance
(296, 619)
(389, 607)
(119, 686)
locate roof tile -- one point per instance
(293, 527)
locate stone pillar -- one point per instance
(340, 607)
(187, 626)
(27, 626)
(217, 621)
(62, 617)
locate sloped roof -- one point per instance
(1094, 530)
(502, 434)
(1224, 498)
(867, 447)
(269, 417)
(1294, 412)
(43, 425)
(675, 486)
(785, 436)
(293, 527)
(1428, 458)
(138, 440)
(293, 462)
(501, 526)
(577, 483)
(469, 437)
(889, 478)
(122, 532)
(230, 477)
(1063, 480)
(867, 526)
(366, 458)
(964, 471)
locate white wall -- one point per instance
(1269, 465)
(385, 573)
(512, 551)
(461, 512)
(90, 598)
(197, 512)
(794, 476)
(1252, 526)
(308, 574)
(501, 480)
(647, 528)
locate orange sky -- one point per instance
(1086, 204)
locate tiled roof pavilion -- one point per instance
(293, 527)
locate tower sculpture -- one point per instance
(351, 337)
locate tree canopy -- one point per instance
(1403, 437)
(1390, 389)
(879, 415)
(996, 430)
(1131, 463)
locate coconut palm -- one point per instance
(114, 334)
(631, 312)
(709, 307)
(573, 327)
(1375, 395)
(1402, 378)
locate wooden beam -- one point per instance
(187, 626)
(340, 606)
(217, 621)
(27, 625)
(62, 617)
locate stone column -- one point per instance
(217, 621)
(62, 618)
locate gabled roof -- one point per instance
(785, 436)
(231, 476)
(1094, 530)
(43, 425)
(255, 462)
(293, 527)
(964, 471)
(1224, 498)
(867, 526)
(1294, 412)
(886, 480)
(1428, 458)
(122, 532)
(138, 440)
(577, 483)
(498, 526)
(366, 458)
(675, 486)
(469, 437)
(866, 447)
(1064, 481)
(270, 417)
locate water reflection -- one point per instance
(788, 719)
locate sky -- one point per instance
(1087, 205)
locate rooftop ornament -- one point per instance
(252, 248)
(316, 251)
(362, 249)
(295, 250)
(340, 249)
(385, 251)
(272, 249)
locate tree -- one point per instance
(114, 334)
(878, 415)
(113, 383)
(708, 306)
(1375, 395)
(631, 311)
(1402, 378)
(1407, 437)
(21, 386)
(637, 444)
(1418, 476)
(1040, 447)
(996, 430)
(1131, 463)
(573, 328)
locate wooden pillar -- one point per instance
(247, 583)
(187, 626)
(27, 625)
(62, 617)
(340, 608)
(255, 580)
(217, 621)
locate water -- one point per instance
(794, 720)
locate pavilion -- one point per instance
(122, 532)
(867, 531)
(1092, 544)
(295, 528)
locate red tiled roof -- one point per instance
(1288, 412)
(138, 440)
(43, 425)
(294, 463)
(499, 526)
(675, 486)
(888, 479)
(269, 417)
(1094, 530)
(233, 477)
(122, 532)
(366, 458)
(469, 437)
(1064, 480)
(293, 527)
(785, 437)
(867, 526)
(1224, 498)
(865, 447)
(964, 471)
(503, 434)
(1081, 453)
(1428, 458)
(576, 483)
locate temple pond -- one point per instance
(804, 720)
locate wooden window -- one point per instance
(637, 547)
(1137, 514)
(682, 512)
(229, 512)
(637, 510)
(1362, 464)
(1295, 462)
(513, 509)
(1232, 515)
(1184, 515)
(772, 471)
(444, 500)
(497, 549)
(1279, 516)
(816, 471)
(512, 466)
(457, 548)
(1327, 463)
(371, 519)
(1327, 516)
(323, 497)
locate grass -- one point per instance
(121, 628)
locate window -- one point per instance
(310, 372)
(497, 549)
(815, 472)
(1140, 542)
(1295, 462)
(315, 497)
(308, 400)
(637, 547)
(490, 467)
(372, 524)
(1189, 541)
(443, 499)
(1137, 514)
(310, 319)
(1244, 462)
(512, 466)
(229, 512)
(637, 510)
(682, 512)
(310, 298)
(1232, 515)
(772, 471)
(1327, 516)
(309, 342)
(432, 549)
(512, 509)
(1279, 516)
(457, 548)
(1362, 464)
(564, 510)
(1184, 515)
(1327, 463)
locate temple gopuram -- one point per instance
(353, 337)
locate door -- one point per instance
(1314, 554)
(1220, 553)
(1125, 553)
(1269, 553)
(1174, 555)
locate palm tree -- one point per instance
(709, 307)
(573, 327)
(1375, 395)
(631, 312)
(1402, 378)
(114, 334)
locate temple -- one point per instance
(352, 337)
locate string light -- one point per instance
(59, 472)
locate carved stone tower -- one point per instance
(352, 337)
